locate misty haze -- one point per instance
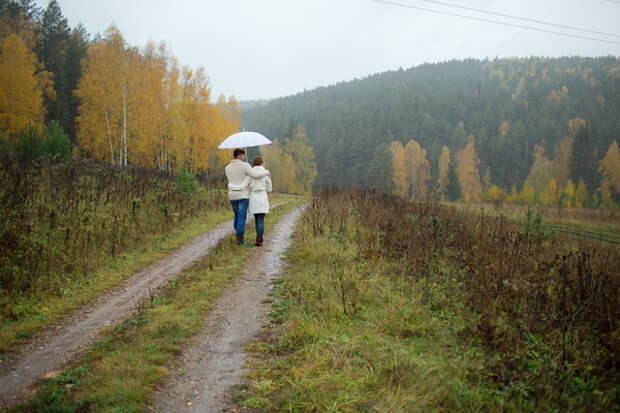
(340, 206)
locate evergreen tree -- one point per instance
(76, 51)
(380, 169)
(52, 51)
(583, 162)
(453, 190)
(443, 169)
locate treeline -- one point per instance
(549, 182)
(527, 121)
(65, 93)
(291, 161)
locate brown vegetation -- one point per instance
(546, 308)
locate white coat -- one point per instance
(237, 173)
(259, 201)
(258, 187)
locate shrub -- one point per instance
(187, 183)
(57, 143)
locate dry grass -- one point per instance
(394, 306)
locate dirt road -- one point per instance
(66, 342)
(214, 362)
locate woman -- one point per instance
(259, 202)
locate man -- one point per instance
(238, 193)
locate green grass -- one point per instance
(122, 370)
(385, 310)
(39, 310)
(352, 338)
(588, 223)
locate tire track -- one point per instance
(214, 362)
(66, 342)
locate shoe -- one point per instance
(240, 239)
(259, 241)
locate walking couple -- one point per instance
(248, 186)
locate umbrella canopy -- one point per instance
(244, 139)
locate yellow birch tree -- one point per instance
(102, 92)
(21, 94)
(398, 166)
(418, 170)
(568, 198)
(581, 194)
(609, 166)
(468, 173)
(549, 195)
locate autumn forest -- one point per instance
(64, 91)
(521, 130)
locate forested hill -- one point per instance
(509, 105)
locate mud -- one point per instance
(214, 362)
(64, 343)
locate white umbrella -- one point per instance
(244, 139)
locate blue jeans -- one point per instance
(240, 208)
(259, 223)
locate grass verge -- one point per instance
(122, 369)
(390, 306)
(40, 310)
(346, 340)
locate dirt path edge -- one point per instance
(57, 346)
(213, 363)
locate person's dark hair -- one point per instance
(258, 161)
(238, 152)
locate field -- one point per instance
(601, 224)
(393, 306)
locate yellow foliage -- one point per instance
(558, 96)
(561, 160)
(102, 91)
(609, 167)
(418, 170)
(606, 198)
(398, 165)
(568, 197)
(140, 107)
(549, 195)
(21, 90)
(504, 128)
(513, 196)
(575, 124)
(581, 194)
(527, 194)
(494, 193)
(282, 168)
(541, 171)
(468, 173)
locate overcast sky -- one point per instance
(268, 48)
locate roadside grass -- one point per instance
(38, 310)
(123, 368)
(346, 339)
(388, 306)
